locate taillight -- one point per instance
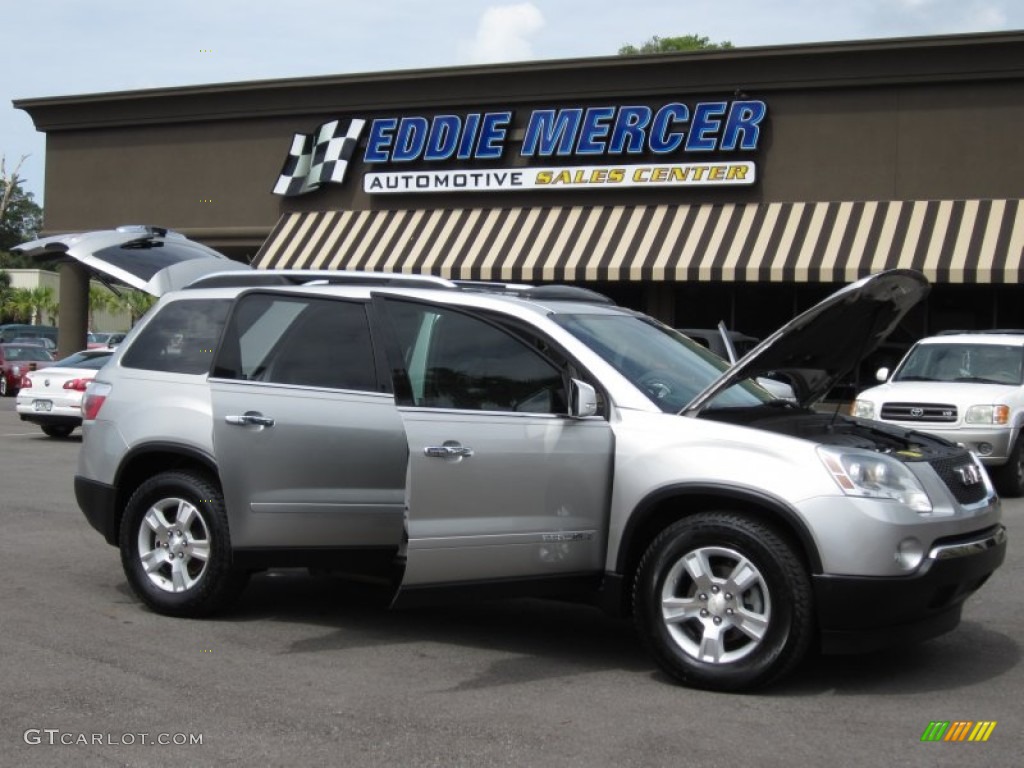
(95, 395)
(26, 382)
(78, 385)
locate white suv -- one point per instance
(965, 387)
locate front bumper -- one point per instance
(991, 444)
(859, 614)
(97, 502)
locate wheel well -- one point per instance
(666, 510)
(144, 465)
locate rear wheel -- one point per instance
(175, 546)
(723, 602)
(57, 431)
(1009, 478)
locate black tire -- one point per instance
(772, 604)
(186, 518)
(5, 391)
(1009, 478)
(57, 431)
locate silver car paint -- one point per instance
(531, 498)
(652, 450)
(329, 471)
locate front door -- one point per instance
(502, 483)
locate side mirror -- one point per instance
(882, 375)
(583, 399)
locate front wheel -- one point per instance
(5, 390)
(175, 546)
(723, 602)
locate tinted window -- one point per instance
(180, 338)
(290, 340)
(454, 360)
(83, 360)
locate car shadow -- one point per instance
(551, 639)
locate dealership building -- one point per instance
(740, 185)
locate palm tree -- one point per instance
(20, 304)
(101, 299)
(43, 304)
(136, 303)
(5, 291)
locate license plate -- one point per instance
(43, 405)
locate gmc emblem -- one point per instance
(969, 474)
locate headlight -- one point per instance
(863, 409)
(862, 473)
(16, 370)
(987, 414)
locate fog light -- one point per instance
(909, 554)
(984, 448)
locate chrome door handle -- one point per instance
(450, 450)
(250, 417)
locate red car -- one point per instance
(16, 360)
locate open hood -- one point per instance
(149, 259)
(820, 347)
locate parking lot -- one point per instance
(301, 673)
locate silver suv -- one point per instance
(965, 387)
(434, 438)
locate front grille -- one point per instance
(953, 473)
(923, 412)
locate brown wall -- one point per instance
(918, 119)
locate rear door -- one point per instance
(311, 446)
(503, 485)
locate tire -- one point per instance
(725, 635)
(57, 431)
(1009, 478)
(175, 546)
(5, 391)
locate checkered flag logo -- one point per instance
(318, 157)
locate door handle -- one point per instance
(254, 418)
(451, 449)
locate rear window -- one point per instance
(26, 352)
(180, 338)
(83, 360)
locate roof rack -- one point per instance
(262, 277)
(285, 277)
(988, 331)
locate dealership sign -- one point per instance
(613, 146)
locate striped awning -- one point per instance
(951, 241)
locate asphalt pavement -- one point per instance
(302, 673)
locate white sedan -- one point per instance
(52, 397)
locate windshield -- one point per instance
(662, 363)
(972, 363)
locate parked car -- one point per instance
(38, 341)
(52, 397)
(18, 359)
(434, 438)
(967, 387)
(11, 331)
(733, 345)
(729, 345)
(101, 339)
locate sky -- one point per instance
(67, 47)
